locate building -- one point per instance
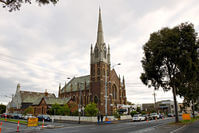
(42, 105)
(164, 106)
(92, 88)
(24, 99)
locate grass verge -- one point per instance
(16, 121)
(183, 122)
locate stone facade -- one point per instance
(91, 88)
(24, 99)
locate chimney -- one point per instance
(46, 93)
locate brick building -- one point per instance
(24, 99)
(42, 105)
(91, 88)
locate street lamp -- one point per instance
(106, 97)
(80, 97)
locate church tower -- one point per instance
(99, 69)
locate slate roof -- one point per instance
(74, 82)
(31, 97)
(52, 100)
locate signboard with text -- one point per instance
(32, 122)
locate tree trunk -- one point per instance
(193, 109)
(175, 104)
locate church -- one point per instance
(103, 86)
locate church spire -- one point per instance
(100, 37)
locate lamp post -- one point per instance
(80, 97)
(106, 97)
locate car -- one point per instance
(154, 116)
(170, 115)
(6, 115)
(26, 117)
(147, 117)
(17, 116)
(138, 117)
(44, 117)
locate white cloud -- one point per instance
(45, 45)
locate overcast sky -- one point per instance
(41, 47)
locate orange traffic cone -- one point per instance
(5, 117)
(147, 120)
(0, 127)
(18, 127)
(43, 124)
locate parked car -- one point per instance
(26, 117)
(154, 116)
(45, 117)
(170, 115)
(147, 117)
(17, 116)
(161, 116)
(138, 117)
(6, 115)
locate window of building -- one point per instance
(96, 99)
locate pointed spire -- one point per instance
(18, 88)
(100, 37)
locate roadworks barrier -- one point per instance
(0, 126)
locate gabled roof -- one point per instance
(52, 100)
(30, 97)
(74, 83)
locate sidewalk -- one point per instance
(191, 128)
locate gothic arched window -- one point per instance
(114, 88)
(104, 52)
(96, 52)
(96, 99)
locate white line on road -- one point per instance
(178, 129)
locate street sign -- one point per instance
(186, 116)
(32, 122)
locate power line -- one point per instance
(9, 59)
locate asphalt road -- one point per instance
(127, 127)
(159, 126)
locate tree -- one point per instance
(168, 59)
(73, 108)
(29, 110)
(56, 109)
(16, 4)
(133, 113)
(91, 109)
(138, 109)
(65, 110)
(2, 108)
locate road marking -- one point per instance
(178, 129)
(123, 128)
(78, 126)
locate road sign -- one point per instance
(186, 116)
(32, 122)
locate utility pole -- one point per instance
(79, 109)
(106, 93)
(154, 94)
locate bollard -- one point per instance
(0, 127)
(18, 127)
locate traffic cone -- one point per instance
(147, 120)
(156, 118)
(43, 124)
(0, 127)
(18, 127)
(5, 118)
